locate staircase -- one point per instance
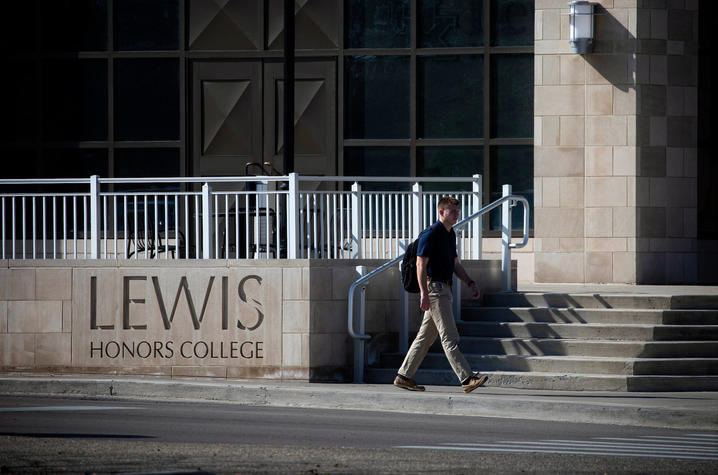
(596, 342)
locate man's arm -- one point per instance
(422, 264)
(462, 275)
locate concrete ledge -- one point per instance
(669, 410)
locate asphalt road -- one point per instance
(74, 435)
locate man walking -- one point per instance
(436, 263)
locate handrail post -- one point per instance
(417, 221)
(293, 216)
(94, 217)
(356, 234)
(359, 343)
(506, 241)
(476, 225)
(207, 212)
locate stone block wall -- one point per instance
(615, 145)
(209, 318)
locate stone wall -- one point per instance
(224, 319)
(615, 136)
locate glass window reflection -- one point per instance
(449, 161)
(512, 22)
(512, 165)
(376, 23)
(457, 23)
(512, 95)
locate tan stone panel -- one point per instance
(199, 371)
(551, 192)
(34, 316)
(659, 195)
(547, 244)
(599, 267)
(572, 130)
(606, 130)
(17, 350)
(295, 316)
(551, 25)
(53, 284)
(329, 316)
(690, 162)
(599, 222)
(538, 71)
(624, 222)
(571, 244)
(538, 27)
(571, 192)
(295, 283)
(624, 161)
(550, 72)
(681, 192)
(674, 222)
(559, 100)
(560, 267)
(607, 69)
(690, 101)
(659, 69)
(607, 244)
(550, 130)
(320, 349)
(292, 350)
(573, 69)
(558, 222)
(624, 267)
(624, 100)
(53, 349)
(558, 161)
(599, 161)
(674, 161)
(542, 47)
(651, 222)
(3, 316)
(548, 4)
(658, 131)
(67, 316)
(320, 283)
(674, 100)
(690, 222)
(659, 24)
(17, 284)
(599, 100)
(606, 191)
(538, 132)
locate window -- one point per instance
(457, 97)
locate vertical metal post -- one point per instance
(417, 210)
(356, 244)
(456, 285)
(94, 217)
(476, 224)
(358, 342)
(506, 241)
(207, 212)
(288, 155)
(293, 216)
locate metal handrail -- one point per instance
(507, 244)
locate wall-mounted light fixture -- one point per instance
(580, 30)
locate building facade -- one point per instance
(608, 147)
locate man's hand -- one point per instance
(474, 290)
(424, 302)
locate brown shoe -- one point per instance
(407, 383)
(473, 383)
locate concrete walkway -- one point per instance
(694, 411)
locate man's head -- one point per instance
(448, 210)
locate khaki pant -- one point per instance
(438, 320)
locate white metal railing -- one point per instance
(261, 217)
(507, 201)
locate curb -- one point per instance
(370, 398)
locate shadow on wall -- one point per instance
(651, 123)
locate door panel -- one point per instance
(314, 116)
(227, 98)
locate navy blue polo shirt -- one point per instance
(439, 245)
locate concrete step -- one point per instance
(569, 364)
(589, 331)
(589, 315)
(571, 347)
(623, 301)
(558, 381)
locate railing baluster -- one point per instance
(44, 228)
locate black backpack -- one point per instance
(408, 267)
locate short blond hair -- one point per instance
(447, 201)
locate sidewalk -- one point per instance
(694, 411)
